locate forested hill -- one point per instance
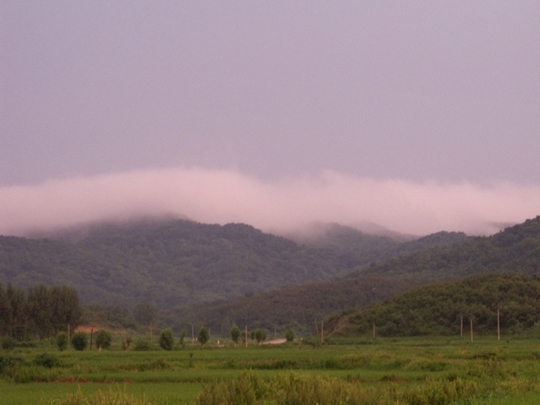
(515, 249)
(176, 262)
(438, 309)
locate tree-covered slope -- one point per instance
(439, 309)
(446, 256)
(178, 261)
(297, 307)
(515, 249)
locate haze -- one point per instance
(418, 116)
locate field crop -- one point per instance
(381, 371)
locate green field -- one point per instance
(482, 372)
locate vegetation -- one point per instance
(40, 312)
(166, 261)
(103, 339)
(235, 334)
(62, 341)
(441, 309)
(166, 339)
(203, 336)
(362, 371)
(290, 335)
(79, 341)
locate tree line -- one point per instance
(38, 312)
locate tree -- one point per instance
(182, 337)
(290, 335)
(166, 339)
(204, 336)
(235, 334)
(103, 339)
(79, 341)
(260, 335)
(62, 341)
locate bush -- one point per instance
(8, 343)
(235, 334)
(166, 339)
(46, 360)
(141, 345)
(290, 335)
(103, 339)
(9, 362)
(62, 341)
(204, 336)
(79, 341)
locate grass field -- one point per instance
(482, 372)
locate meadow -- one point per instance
(380, 371)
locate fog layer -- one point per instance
(213, 196)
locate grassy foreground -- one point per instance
(377, 372)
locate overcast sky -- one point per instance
(430, 97)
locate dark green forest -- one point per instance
(440, 308)
(219, 276)
(514, 250)
(38, 312)
(179, 262)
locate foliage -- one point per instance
(38, 312)
(103, 339)
(439, 309)
(62, 341)
(166, 339)
(142, 345)
(46, 360)
(289, 335)
(8, 343)
(163, 261)
(79, 341)
(299, 389)
(259, 335)
(203, 336)
(235, 334)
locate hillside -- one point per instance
(516, 249)
(438, 309)
(178, 261)
(297, 307)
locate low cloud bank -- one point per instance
(213, 196)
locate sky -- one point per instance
(418, 116)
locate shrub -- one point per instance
(8, 343)
(290, 335)
(103, 339)
(46, 360)
(235, 334)
(62, 341)
(9, 362)
(204, 336)
(141, 345)
(260, 335)
(79, 341)
(166, 339)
